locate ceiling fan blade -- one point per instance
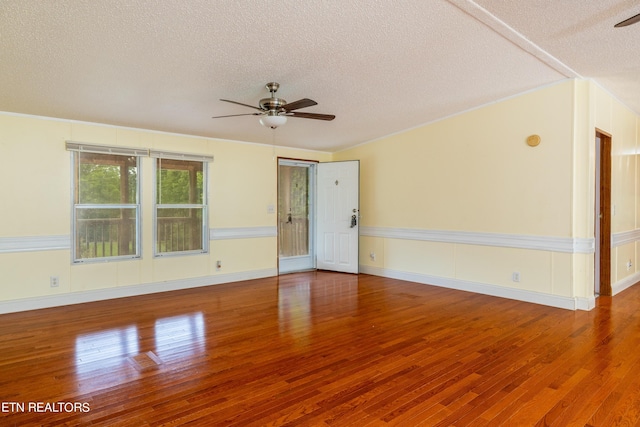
(315, 116)
(244, 105)
(236, 115)
(301, 103)
(629, 21)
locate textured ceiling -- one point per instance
(380, 66)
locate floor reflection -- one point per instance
(298, 300)
(183, 334)
(294, 311)
(105, 349)
(106, 358)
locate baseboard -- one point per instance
(585, 304)
(578, 303)
(625, 283)
(485, 289)
(129, 291)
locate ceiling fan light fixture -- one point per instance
(273, 121)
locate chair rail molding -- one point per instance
(242, 232)
(63, 242)
(34, 243)
(625, 237)
(520, 241)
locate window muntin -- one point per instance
(180, 208)
(106, 212)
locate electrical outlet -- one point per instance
(218, 265)
(629, 265)
(372, 255)
(54, 281)
(515, 276)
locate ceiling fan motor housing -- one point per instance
(272, 104)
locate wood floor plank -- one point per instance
(322, 349)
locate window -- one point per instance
(180, 205)
(106, 210)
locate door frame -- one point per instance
(603, 213)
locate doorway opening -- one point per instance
(602, 274)
(296, 215)
(318, 215)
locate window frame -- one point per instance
(160, 155)
(77, 149)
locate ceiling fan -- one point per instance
(274, 111)
(628, 21)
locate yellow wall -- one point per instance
(35, 169)
(473, 173)
(462, 202)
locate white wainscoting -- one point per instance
(128, 291)
(625, 283)
(485, 289)
(49, 243)
(543, 243)
(621, 239)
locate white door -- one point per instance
(338, 207)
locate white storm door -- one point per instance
(338, 207)
(296, 216)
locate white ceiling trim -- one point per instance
(483, 15)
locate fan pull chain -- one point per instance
(273, 145)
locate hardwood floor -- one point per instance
(322, 349)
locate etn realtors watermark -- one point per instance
(53, 407)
